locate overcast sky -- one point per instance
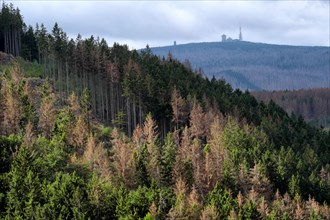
(159, 23)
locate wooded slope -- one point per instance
(312, 104)
(109, 133)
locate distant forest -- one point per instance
(256, 66)
(312, 104)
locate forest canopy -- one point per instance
(111, 133)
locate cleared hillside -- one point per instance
(257, 66)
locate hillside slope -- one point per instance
(212, 164)
(109, 133)
(257, 66)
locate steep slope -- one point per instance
(56, 162)
(257, 66)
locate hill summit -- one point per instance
(256, 66)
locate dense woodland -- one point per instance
(312, 104)
(109, 133)
(10, 29)
(257, 66)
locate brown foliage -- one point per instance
(96, 157)
(47, 114)
(263, 208)
(179, 109)
(198, 164)
(179, 210)
(197, 125)
(183, 155)
(74, 104)
(150, 136)
(260, 182)
(12, 112)
(123, 158)
(138, 136)
(29, 137)
(215, 155)
(153, 209)
(209, 213)
(79, 133)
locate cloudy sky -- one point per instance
(159, 23)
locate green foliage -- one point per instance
(119, 120)
(23, 184)
(141, 174)
(50, 156)
(222, 200)
(102, 198)
(62, 124)
(135, 203)
(149, 217)
(167, 160)
(246, 143)
(31, 69)
(294, 186)
(29, 113)
(249, 211)
(64, 198)
(7, 145)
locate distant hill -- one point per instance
(257, 66)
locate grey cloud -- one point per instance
(161, 22)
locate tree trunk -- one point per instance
(128, 110)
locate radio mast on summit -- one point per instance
(240, 37)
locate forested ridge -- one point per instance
(312, 104)
(112, 133)
(257, 66)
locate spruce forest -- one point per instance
(92, 131)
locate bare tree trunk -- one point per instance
(134, 113)
(75, 83)
(59, 78)
(112, 101)
(107, 102)
(67, 77)
(93, 87)
(140, 111)
(128, 110)
(6, 42)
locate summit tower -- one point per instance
(240, 36)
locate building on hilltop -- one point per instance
(224, 38)
(229, 39)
